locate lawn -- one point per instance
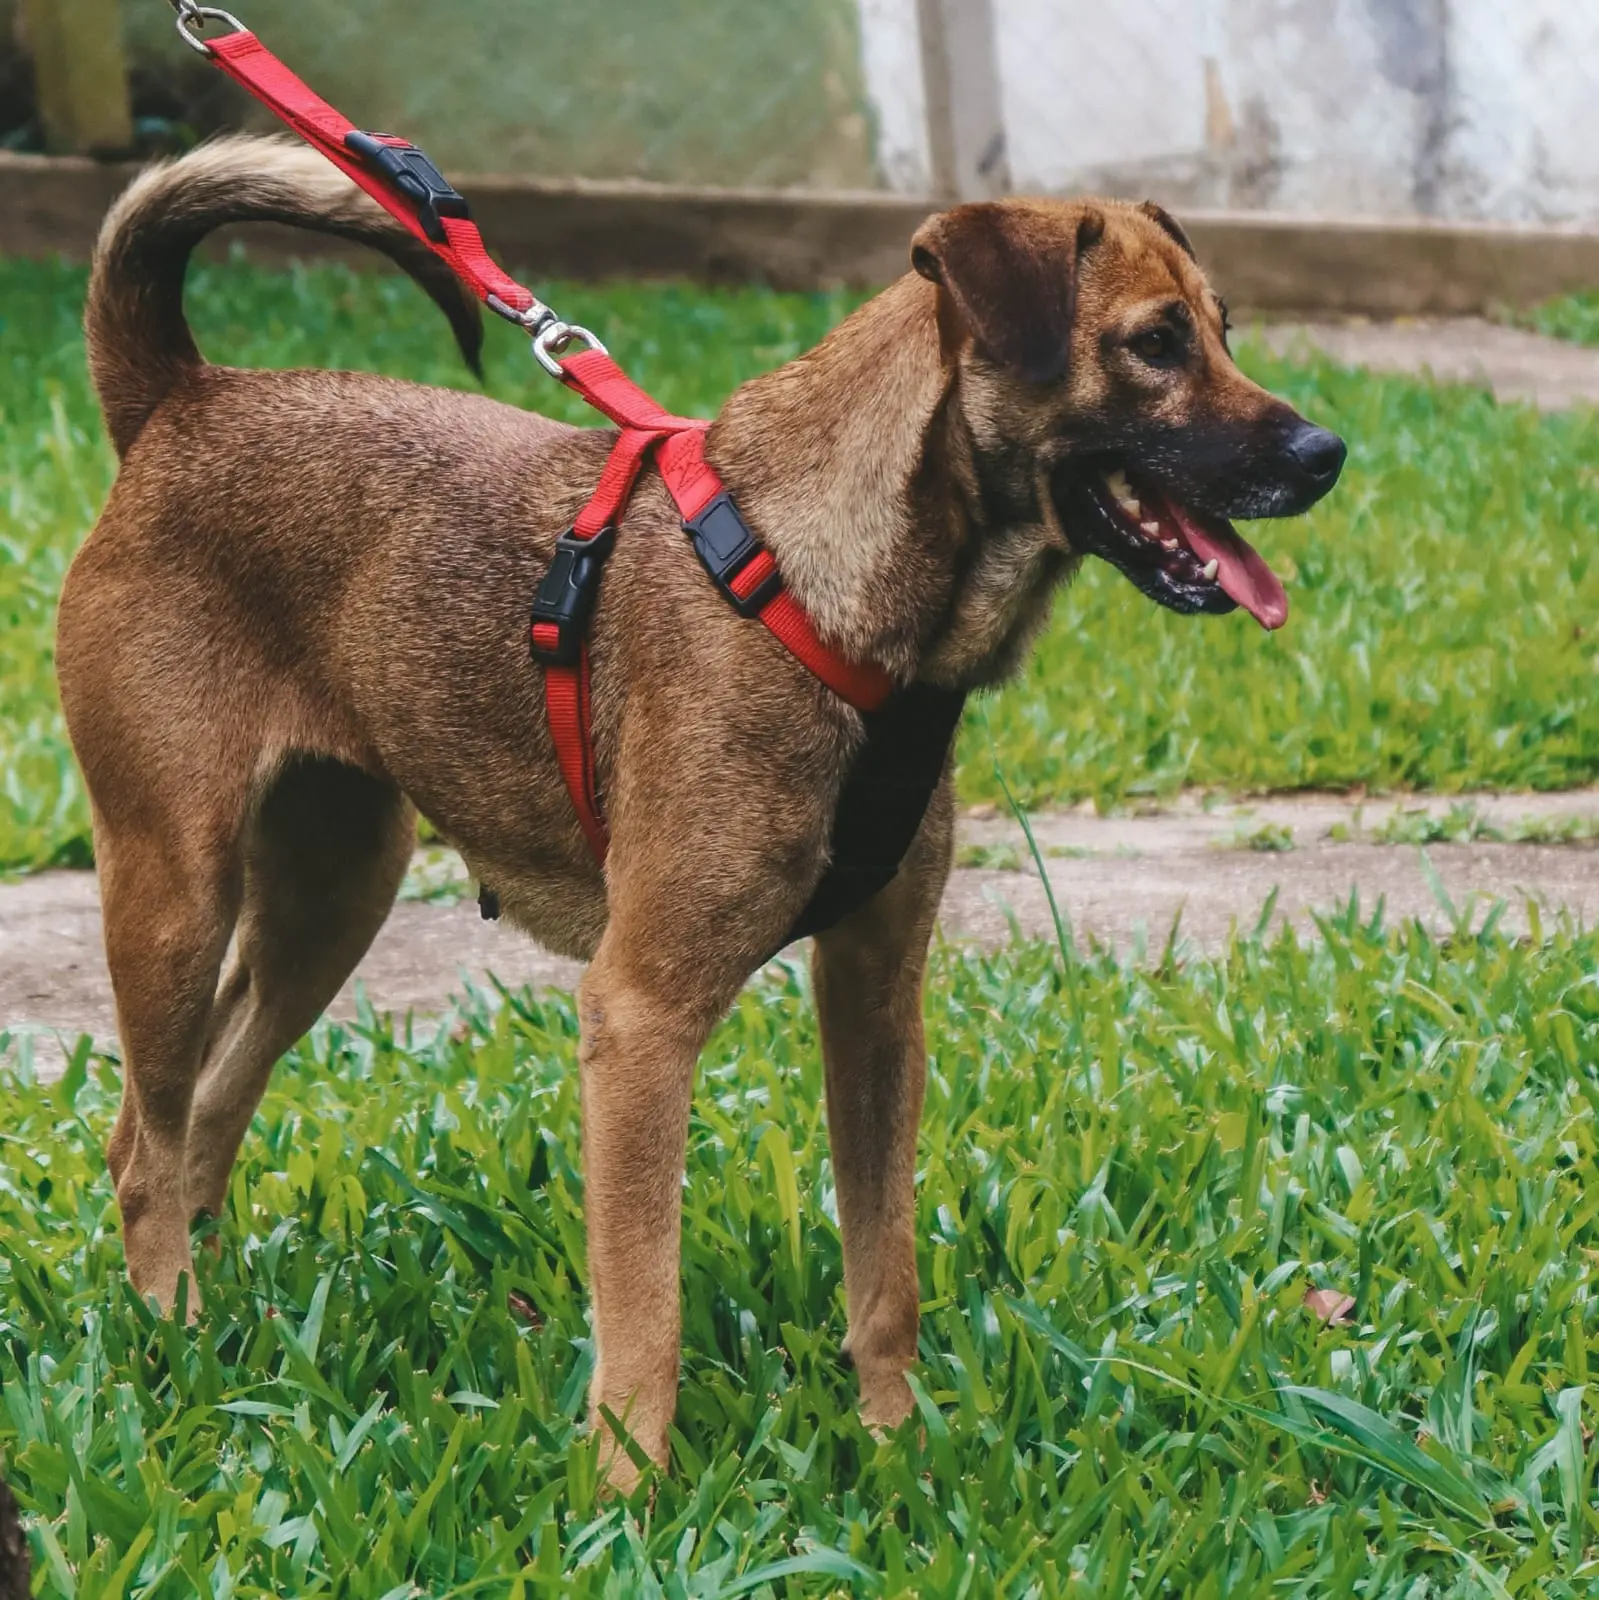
(1267, 1276)
(1442, 633)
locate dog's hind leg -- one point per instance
(169, 896)
(323, 856)
(868, 974)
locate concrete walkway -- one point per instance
(1513, 363)
(1123, 880)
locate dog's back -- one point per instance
(256, 510)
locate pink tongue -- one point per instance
(1241, 571)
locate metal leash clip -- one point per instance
(533, 320)
(549, 334)
(192, 17)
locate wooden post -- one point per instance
(80, 75)
(965, 113)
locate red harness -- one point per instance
(402, 180)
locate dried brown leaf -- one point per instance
(523, 1309)
(1329, 1305)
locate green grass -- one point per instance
(1573, 316)
(1442, 635)
(1464, 823)
(1131, 1177)
(1269, 838)
(1131, 1174)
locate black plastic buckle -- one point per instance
(415, 177)
(725, 546)
(566, 596)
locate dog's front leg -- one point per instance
(868, 978)
(641, 1039)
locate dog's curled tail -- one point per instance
(139, 341)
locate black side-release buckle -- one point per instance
(566, 597)
(725, 546)
(415, 177)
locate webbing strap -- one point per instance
(566, 704)
(596, 376)
(615, 487)
(566, 688)
(254, 68)
(694, 483)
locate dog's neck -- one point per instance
(905, 540)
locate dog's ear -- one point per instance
(1170, 226)
(1011, 277)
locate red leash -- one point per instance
(402, 180)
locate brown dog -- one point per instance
(14, 1562)
(303, 618)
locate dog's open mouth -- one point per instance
(1186, 560)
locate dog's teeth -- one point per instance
(1121, 492)
(1211, 569)
(1151, 528)
(1170, 544)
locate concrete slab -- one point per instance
(1122, 880)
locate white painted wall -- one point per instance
(892, 61)
(1454, 108)
(1088, 86)
(1526, 94)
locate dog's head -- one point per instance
(1092, 368)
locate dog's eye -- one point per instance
(1160, 347)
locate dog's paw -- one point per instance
(626, 1459)
(174, 1295)
(886, 1403)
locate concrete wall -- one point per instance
(1452, 108)
(1461, 109)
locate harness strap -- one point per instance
(595, 375)
(615, 488)
(568, 709)
(695, 485)
(753, 585)
(567, 703)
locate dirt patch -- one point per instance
(53, 978)
(1132, 903)
(1122, 880)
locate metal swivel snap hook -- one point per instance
(193, 17)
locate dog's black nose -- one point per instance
(1320, 452)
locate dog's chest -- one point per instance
(885, 796)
